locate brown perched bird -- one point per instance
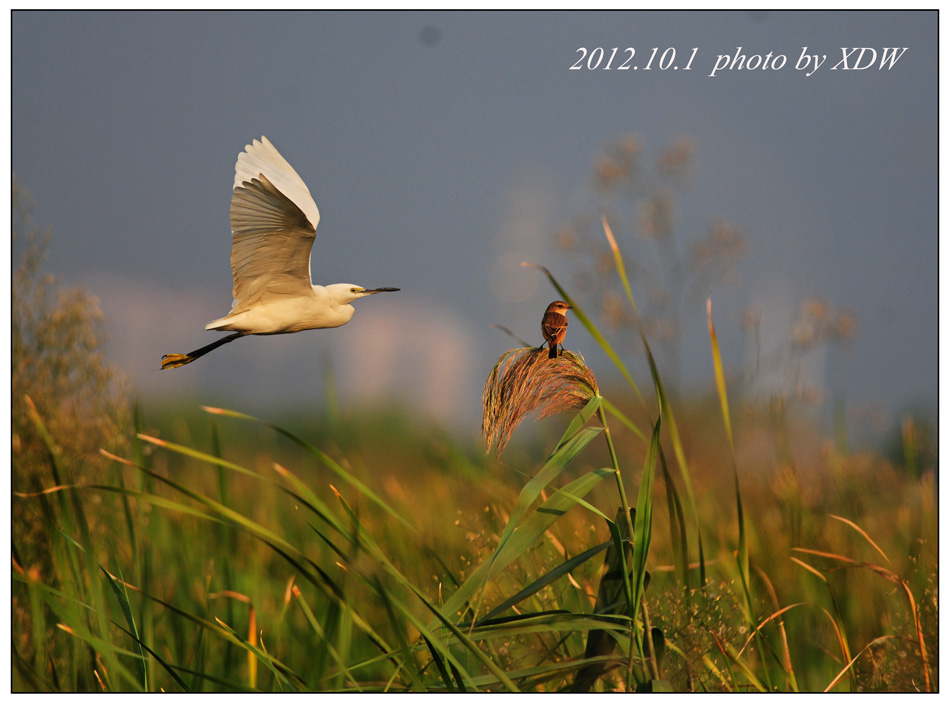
(554, 326)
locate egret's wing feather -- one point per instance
(260, 157)
(273, 237)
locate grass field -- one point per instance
(629, 543)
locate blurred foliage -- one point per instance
(57, 360)
(316, 555)
(674, 270)
(639, 195)
(459, 502)
(66, 402)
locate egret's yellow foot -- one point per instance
(175, 360)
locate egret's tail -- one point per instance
(176, 360)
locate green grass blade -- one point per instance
(285, 677)
(295, 557)
(553, 467)
(129, 520)
(471, 646)
(121, 675)
(521, 539)
(582, 503)
(324, 642)
(342, 473)
(614, 594)
(449, 680)
(616, 413)
(73, 517)
(678, 534)
(398, 627)
(720, 376)
(743, 547)
(724, 406)
(665, 409)
(542, 582)
(621, 268)
(679, 452)
(123, 598)
(557, 462)
(166, 666)
(302, 493)
(643, 522)
(579, 420)
(369, 546)
(201, 456)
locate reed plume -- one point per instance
(525, 380)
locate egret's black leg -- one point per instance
(176, 360)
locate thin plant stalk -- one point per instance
(743, 550)
(635, 642)
(617, 475)
(665, 408)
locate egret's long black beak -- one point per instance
(380, 289)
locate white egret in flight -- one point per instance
(273, 222)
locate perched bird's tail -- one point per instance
(552, 350)
(176, 360)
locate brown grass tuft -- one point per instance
(524, 380)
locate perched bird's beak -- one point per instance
(380, 289)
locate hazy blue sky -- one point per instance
(444, 148)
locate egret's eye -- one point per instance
(353, 290)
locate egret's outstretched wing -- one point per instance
(273, 222)
(260, 157)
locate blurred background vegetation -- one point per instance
(163, 547)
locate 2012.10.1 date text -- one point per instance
(615, 59)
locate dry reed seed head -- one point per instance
(818, 324)
(844, 326)
(618, 163)
(526, 380)
(816, 309)
(751, 319)
(615, 311)
(629, 145)
(606, 263)
(609, 171)
(655, 215)
(567, 238)
(677, 156)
